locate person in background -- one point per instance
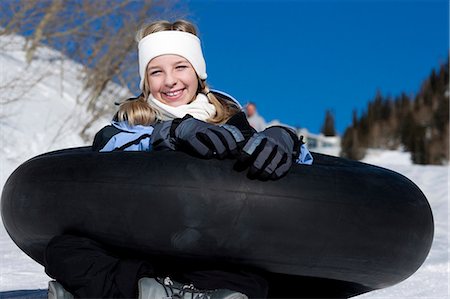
(253, 117)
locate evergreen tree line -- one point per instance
(420, 124)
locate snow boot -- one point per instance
(57, 291)
(157, 288)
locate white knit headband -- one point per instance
(171, 42)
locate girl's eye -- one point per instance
(153, 73)
(182, 66)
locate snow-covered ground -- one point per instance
(432, 279)
(48, 117)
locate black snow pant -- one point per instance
(89, 270)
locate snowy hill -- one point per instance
(48, 116)
(40, 104)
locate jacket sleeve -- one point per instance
(103, 136)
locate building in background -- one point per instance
(319, 143)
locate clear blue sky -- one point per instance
(296, 59)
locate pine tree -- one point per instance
(351, 147)
(328, 128)
(420, 124)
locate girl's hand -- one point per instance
(270, 153)
(198, 138)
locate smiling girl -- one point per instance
(176, 111)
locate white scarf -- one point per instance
(200, 108)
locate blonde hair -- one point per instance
(136, 112)
(224, 109)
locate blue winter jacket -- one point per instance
(120, 136)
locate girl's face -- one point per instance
(172, 80)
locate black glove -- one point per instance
(270, 153)
(197, 137)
